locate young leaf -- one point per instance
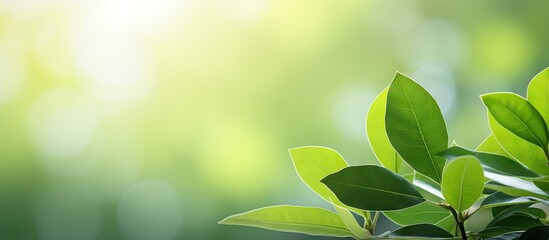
(425, 212)
(415, 126)
(372, 187)
(421, 230)
(491, 145)
(315, 163)
(307, 220)
(462, 182)
(492, 162)
(518, 116)
(351, 223)
(525, 152)
(538, 93)
(377, 136)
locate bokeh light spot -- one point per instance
(437, 78)
(349, 111)
(62, 124)
(64, 214)
(233, 158)
(150, 210)
(502, 48)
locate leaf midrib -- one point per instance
(377, 189)
(520, 120)
(420, 130)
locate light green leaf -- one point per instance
(448, 223)
(499, 199)
(307, 220)
(523, 151)
(428, 188)
(425, 212)
(315, 163)
(462, 182)
(491, 145)
(514, 186)
(538, 93)
(518, 116)
(421, 230)
(415, 126)
(492, 162)
(351, 223)
(377, 136)
(372, 187)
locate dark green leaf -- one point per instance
(415, 126)
(493, 232)
(492, 162)
(421, 230)
(536, 233)
(518, 116)
(372, 187)
(507, 236)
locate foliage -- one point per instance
(427, 187)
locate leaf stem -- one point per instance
(374, 223)
(367, 220)
(459, 223)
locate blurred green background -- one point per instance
(155, 119)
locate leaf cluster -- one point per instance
(423, 184)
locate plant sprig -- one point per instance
(428, 187)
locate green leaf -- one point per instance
(425, 212)
(523, 151)
(518, 217)
(415, 126)
(507, 236)
(307, 220)
(536, 233)
(315, 163)
(351, 223)
(501, 233)
(428, 188)
(514, 186)
(379, 141)
(492, 162)
(372, 187)
(462, 182)
(538, 93)
(448, 224)
(421, 230)
(491, 145)
(518, 116)
(498, 199)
